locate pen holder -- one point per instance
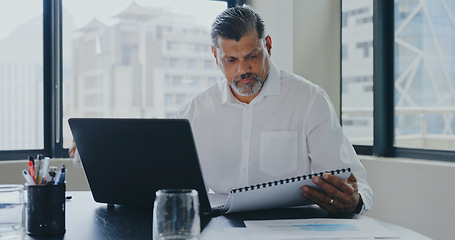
(45, 209)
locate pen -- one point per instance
(52, 173)
(28, 178)
(43, 170)
(61, 178)
(39, 157)
(57, 177)
(31, 169)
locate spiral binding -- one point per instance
(288, 180)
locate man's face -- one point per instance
(245, 64)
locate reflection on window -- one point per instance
(147, 55)
(357, 71)
(425, 74)
(21, 75)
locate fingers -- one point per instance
(72, 150)
(352, 178)
(323, 200)
(336, 195)
(333, 184)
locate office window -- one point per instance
(425, 74)
(195, 81)
(177, 81)
(211, 81)
(357, 71)
(414, 78)
(141, 52)
(208, 64)
(174, 63)
(21, 75)
(192, 64)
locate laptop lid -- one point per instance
(127, 160)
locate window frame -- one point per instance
(49, 109)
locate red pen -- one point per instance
(31, 169)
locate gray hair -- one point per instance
(236, 22)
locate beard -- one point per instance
(249, 88)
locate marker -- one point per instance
(39, 157)
(31, 169)
(28, 178)
(43, 170)
(32, 172)
(31, 159)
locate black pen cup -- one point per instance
(46, 209)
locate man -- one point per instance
(264, 124)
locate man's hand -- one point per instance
(338, 197)
(72, 149)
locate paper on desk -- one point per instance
(229, 233)
(318, 228)
(241, 233)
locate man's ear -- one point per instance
(214, 54)
(268, 44)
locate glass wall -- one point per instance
(425, 74)
(136, 59)
(21, 75)
(357, 70)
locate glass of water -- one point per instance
(12, 211)
(176, 215)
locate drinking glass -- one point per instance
(176, 215)
(12, 211)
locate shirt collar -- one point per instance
(272, 87)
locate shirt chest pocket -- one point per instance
(278, 152)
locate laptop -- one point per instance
(127, 160)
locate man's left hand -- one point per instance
(338, 196)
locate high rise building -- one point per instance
(357, 70)
(147, 65)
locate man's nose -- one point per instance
(243, 67)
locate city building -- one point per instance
(147, 65)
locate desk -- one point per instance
(86, 219)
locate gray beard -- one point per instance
(247, 89)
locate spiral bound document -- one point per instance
(276, 194)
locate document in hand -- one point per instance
(277, 194)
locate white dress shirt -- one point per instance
(289, 129)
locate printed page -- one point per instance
(320, 228)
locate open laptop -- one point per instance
(127, 160)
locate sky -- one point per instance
(13, 12)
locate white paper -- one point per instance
(227, 234)
(275, 196)
(318, 228)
